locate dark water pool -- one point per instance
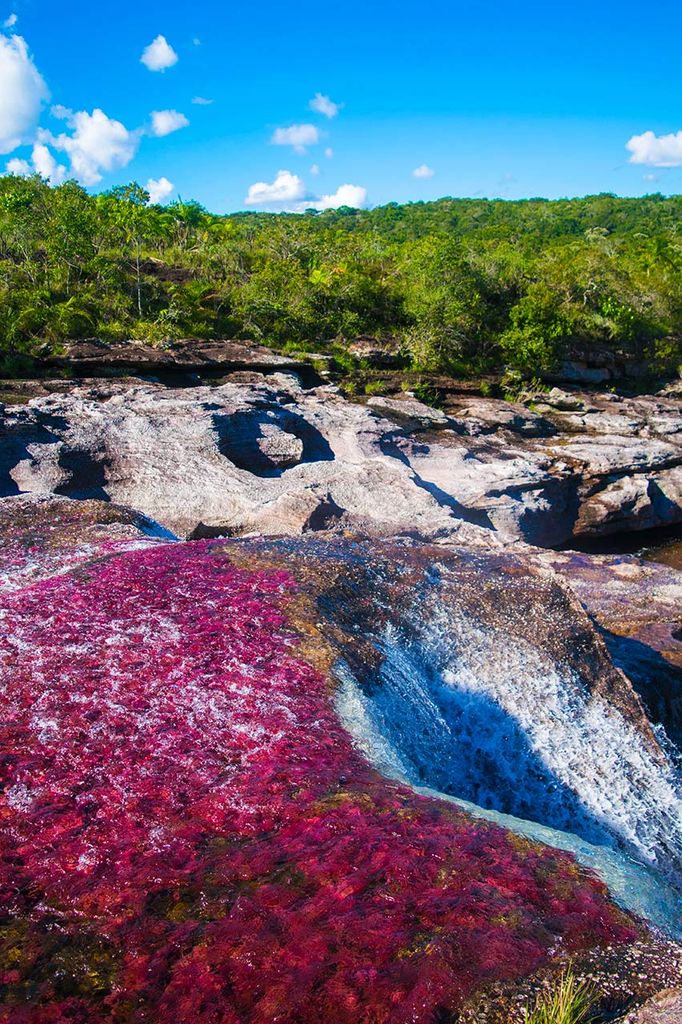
(668, 553)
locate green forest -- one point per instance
(465, 285)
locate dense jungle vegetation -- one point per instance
(466, 285)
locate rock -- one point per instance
(563, 400)
(663, 1008)
(613, 453)
(512, 416)
(408, 411)
(232, 458)
(229, 458)
(189, 355)
(183, 797)
(44, 536)
(19, 392)
(672, 390)
(576, 372)
(597, 414)
(622, 505)
(378, 353)
(596, 366)
(638, 606)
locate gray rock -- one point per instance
(512, 416)
(376, 352)
(260, 452)
(580, 373)
(664, 1008)
(408, 411)
(188, 355)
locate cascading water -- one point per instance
(488, 720)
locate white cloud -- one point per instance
(61, 112)
(345, 195)
(315, 170)
(323, 105)
(10, 22)
(656, 150)
(201, 101)
(423, 171)
(650, 177)
(288, 193)
(22, 93)
(97, 144)
(46, 165)
(42, 162)
(159, 189)
(287, 188)
(164, 122)
(19, 167)
(297, 135)
(159, 55)
(329, 152)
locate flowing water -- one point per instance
(493, 724)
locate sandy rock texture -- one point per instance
(261, 452)
(637, 606)
(664, 1008)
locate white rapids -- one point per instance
(464, 714)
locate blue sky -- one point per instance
(496, 99)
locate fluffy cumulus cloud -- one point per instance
(10, 22)
(46, 165)
(22, 93)
(201, 101)
(97, 144)
(297, 135)
(288, 193)
(323, 105)
(164, 122)
(159, 55)
(19, 167)
(656, 150)
(42, 162)
(159, 189)
(423, 171)
(345, 195)
(329, 152)
(287, 188)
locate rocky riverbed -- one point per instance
(362, 745)
(261, 452)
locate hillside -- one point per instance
(464, 285)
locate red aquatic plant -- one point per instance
(188, 835)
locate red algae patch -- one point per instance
(188, 835)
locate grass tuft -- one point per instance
(570, 1001)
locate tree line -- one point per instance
(464, 285)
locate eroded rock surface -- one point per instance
(663, 1008)
(262, 453)
(638, 606)
(187, 355)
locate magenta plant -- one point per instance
(189, 837)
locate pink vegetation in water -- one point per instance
(188, 835)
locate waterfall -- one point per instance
(488, 720)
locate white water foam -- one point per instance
(489, 722)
